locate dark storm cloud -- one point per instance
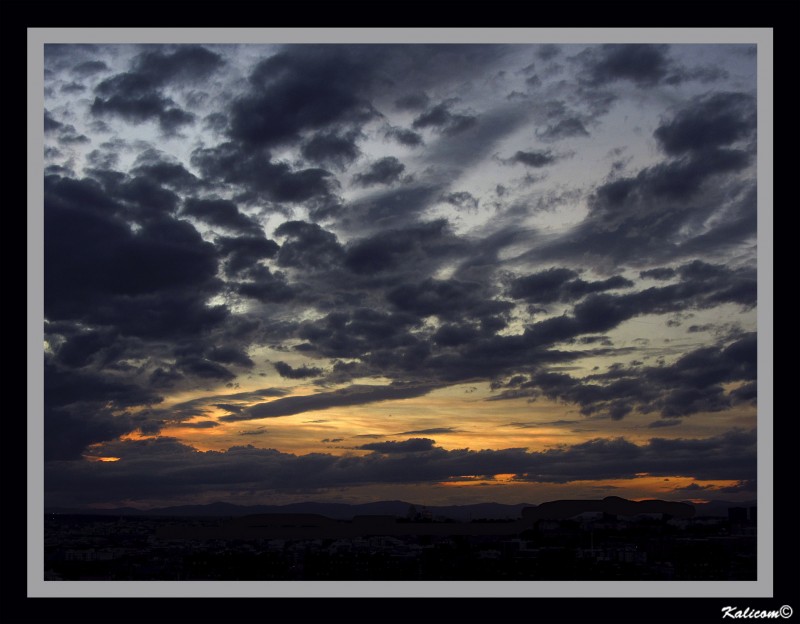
(131, 103)
(265, 286)
(432, 431)
(641, 63)
(535, 159)
(665, 422)
(659, 273)
(462, 199)
(394, 208)
(445, 298)
(66, 134)
(444, 120)
(233, 403)
(560, 285)
(50, 123)
(146, 290)
(455, 335)
(88, 68)
(72, 88)
(83, 407)
(353, 395)
(544, 286)
(69, 136)
(171, 174)
(201, 424)
(563, 129)
(348, 335)
(331, 149)
(185, 63)
(412, 445)
(409, 248)
(93, 257)
(230, 355)
(412, 101)
(645, 65)
(300, 372)
(692, 384)
(136, 95)
(678, 179)
(144, 199)
(301, 88)
(258, 176)
(548, 51)
(384, 171)
(203, 368)
(221, 212)
(67, 432)
(404, 136)
(244, 252)
(184, 470)
(81, 349)
(102, 160)
(662, 212)
(65, 387)
(308, 246)
(709, 122)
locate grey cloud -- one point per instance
(640, 63)
(563, 129)
(301, 88)
(559, 284)
(659, 273)
(257, 175)
(709, 122)
(534, 159)
(385, 171)
(412, 101)
(72, 88)
(243, 253)
(692, 384)
(445, 121)
(50, 123)
(329, 148)
(221, 212)
(185, 470)
(431, 431)
(352, 395)
(412, 445)
(462, 199)
(230, 355)
(136, 95)
(88, 68)
(308, 246)
(300, 372)
(404, 136)
(201, 424)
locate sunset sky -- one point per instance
(438, 273)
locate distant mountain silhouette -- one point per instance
(337, 511)
(299, 525)
(562, 509)
(398, 508)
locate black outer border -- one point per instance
(782, 16)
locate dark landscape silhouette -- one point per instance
(612, 538)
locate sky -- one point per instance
(445, 274)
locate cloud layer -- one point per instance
(238, 233)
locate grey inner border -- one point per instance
(37, 587)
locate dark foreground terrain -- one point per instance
(548, 542)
